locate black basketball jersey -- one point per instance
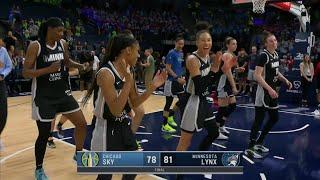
(270, 63)
(53, 85)
(204, 68)
(101, 107)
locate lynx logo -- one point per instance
(296, 84)
(55, 57)
(230, 159)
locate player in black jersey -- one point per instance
(227, 87)
(268, 77)
(47, 62)
(115, 87)
(196, 111)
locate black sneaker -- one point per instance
(51, 144)
(60, 132)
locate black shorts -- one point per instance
(176, 88)
(86, 76)
(120, 136)
(270, 102)
(173, 88)
(45, 109)
(195, 113)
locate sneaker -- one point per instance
(252, 153)
(222, 136)
(51, 144)
(167, 128)
(224, 130)
(316, 112)
(60, 132)
(40, 175)
(259, 147)
(172, 122)
(139, 146)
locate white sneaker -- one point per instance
(316, 112)
(222, 137)
(259, 147)
(224, 130)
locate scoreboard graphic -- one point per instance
(160, 162)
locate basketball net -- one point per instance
(258, 6)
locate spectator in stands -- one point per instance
(102, 54)
(307, 72)
(242, 75)
(78, 46)
(10, 41)
(149, 67)
(33, 30)
(290, 62)
(95, 64)
(317, 76)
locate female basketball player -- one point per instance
(197, 111)
(268, 76)
(227, 87)
(115, 86)
(47, 61)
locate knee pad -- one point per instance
(231, 109)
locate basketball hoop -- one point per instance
(258, 6)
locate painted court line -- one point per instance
(263, 177)
(288, 112)
(143, 133)
(248, 159)
(219, 145)
(273, 132)
(157, 177)
(14, 154)
(26, 149)
(278, 157)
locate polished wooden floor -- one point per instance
(18, 138)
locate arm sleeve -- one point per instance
(203, 84)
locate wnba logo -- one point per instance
(90, 159)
